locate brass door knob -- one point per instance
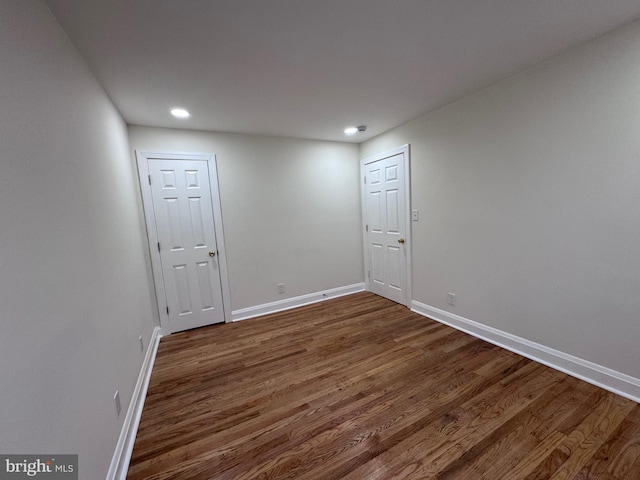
(401, 240)
(212, 253)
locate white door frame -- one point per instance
(142, 158)
(404, 150)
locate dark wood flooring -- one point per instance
(362, 388)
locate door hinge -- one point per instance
(167, 310)
(158, 246)
(367, 228)
(149, 177)
(365, 180)
(369, 274)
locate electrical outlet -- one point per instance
(116, 401)
(451, 298)
(141, 343)
(415, 215)
(281, 288)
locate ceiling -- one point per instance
(309, 68)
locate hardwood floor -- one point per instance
(362, 388)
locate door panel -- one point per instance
(394, 277)
(377, 263)
(181, 286)
(386, 229)
(375, 212)
(185, 228)
(204, 284)
(197, 222)
(174, 225)
(393, 222)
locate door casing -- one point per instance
(404, 151)
(142, 158)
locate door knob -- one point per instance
(401, 240)
(212, 253)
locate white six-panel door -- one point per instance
(180, 198)
(385, 209)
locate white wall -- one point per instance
(74, 295)
(529, 199)
(290, 207)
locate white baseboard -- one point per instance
(124, 447)
(616, 382)
(286, 304)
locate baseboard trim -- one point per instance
(124, 447)
(293, 302)
(611, 380)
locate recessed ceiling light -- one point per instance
(180, 113)
(354, 130)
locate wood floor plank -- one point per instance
(362, 388)
(583, 442)
(616, 455)
(446, 439)
(503, 449)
